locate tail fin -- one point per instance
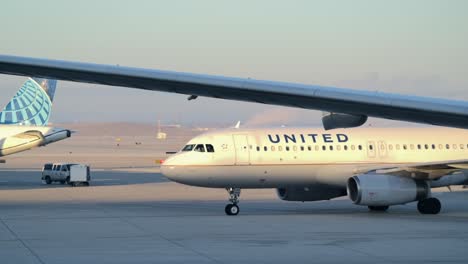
(32, 104)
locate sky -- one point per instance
(410, 47)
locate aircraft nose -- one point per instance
(169, 168)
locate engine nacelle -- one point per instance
(381, 189)
(310, 193)
(337, 120)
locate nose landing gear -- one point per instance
(233, 209)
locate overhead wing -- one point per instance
(353, 102)
(426, 171)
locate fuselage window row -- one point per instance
(370, 147)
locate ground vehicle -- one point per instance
(73, 174)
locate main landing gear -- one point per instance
(374, 208)
(429, 206)
(232, 208)
(426, 206)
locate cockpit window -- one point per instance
(209, 148)
(188, 148)
(200, 148)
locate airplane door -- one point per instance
(382, 149)
(371, 149)
(242, 149)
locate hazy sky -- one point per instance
(414, 47)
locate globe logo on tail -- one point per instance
(31, 105)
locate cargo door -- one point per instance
(241, 146)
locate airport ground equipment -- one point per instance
(72, 174)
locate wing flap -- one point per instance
(426, 171)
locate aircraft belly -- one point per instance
(264, 176)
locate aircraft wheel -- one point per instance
(231, 209)
(48, 180)
(429, 206)
(382, 208)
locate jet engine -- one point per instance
(332, 120)
(310, 193)
(384, 190)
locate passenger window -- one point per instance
(200, 148)
(405, 147)
(390, 147)
(272, 148)
(324, 148)
(265, 148)
(338, 147)
(209, 148)
(433, 146)
(411, 147)
(398, 146)
(419, 146)
(331, 147)
(447, 146)
(287, 148)
(345, 147)
(280, 148)
(258, 148)
(360, 147)
(302, 148)
(462, 146)
(371, 147)
(454, 146)
(295, 148)
(426, 146)
(440, 146)
(352, 147)
(309, 148)
(316, 148)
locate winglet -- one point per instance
(237, 126)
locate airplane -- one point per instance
(24, 120)
(374, 167)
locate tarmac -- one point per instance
(137, 216)
(132, 214)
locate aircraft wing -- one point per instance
(427, 110)
(20, 142)
(426, 171)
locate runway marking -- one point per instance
(33, 253)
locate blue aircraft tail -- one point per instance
(31, 105)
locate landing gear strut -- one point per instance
(232, 208)
(429, 206)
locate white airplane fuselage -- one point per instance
(284, 157)
(17, 138)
